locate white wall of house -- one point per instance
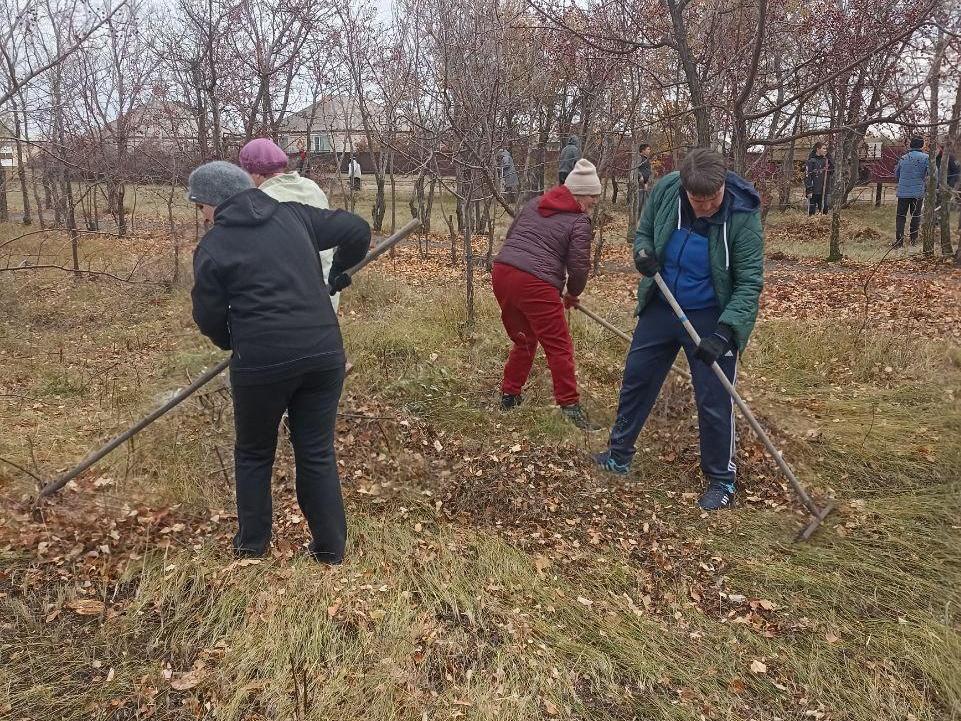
(320, 141)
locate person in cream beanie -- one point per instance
(583, 180)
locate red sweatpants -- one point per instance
(532, 312)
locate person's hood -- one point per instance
(740, 195)
(557, 200)
(574, 140)
(915, 154)
(247, 208)
(291, 187)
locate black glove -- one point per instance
(715, 345)
(338, 281)
(646, 264)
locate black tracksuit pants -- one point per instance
(310, 400)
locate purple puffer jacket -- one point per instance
(551, 239)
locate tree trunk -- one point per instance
(21, 168)
(787, 178)
(4, 209)
(469, 271)
(393, 198)
(834, 252)
(453, 238)
(930, 214)
(379, 209)
(38, 201)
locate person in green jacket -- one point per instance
(701, 229)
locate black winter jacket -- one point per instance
(259, 289)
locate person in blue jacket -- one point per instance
(911, 173)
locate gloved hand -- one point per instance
(570, 301)
(715, 345)
(336, 282)
(646, 264)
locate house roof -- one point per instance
(158, 117)
(337, 112)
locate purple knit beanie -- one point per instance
(263, 156)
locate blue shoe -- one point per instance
(606, 462)
(719, 495)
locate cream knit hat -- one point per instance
(583, 180)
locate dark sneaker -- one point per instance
(509, 401)
(606, 462)
(578, 416)
(897, 244)
(717, 496)
(323, 557)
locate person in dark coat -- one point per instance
(954, 169)
(568, 157)
(259, 292)
(643, 172)
(818, 172)
(548, 247)
(508, 173)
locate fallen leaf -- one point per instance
(87, 606)
(188, 680)
(758, 666)
(550, 706)
(585, 601)
(831, 638)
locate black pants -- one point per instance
(311, 402)
(914, 205)
(561, 177)
(817, 204)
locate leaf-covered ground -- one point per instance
(491, 572)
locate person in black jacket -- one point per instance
(817, 179)
(259, 292)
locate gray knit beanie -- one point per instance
(212, 183)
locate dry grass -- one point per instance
(511, 594)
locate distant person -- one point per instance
(911, 173)
(354, 173)
(267, 163)
(548, 247)
(643, 175)
(954, 169)
(818, 171)
(508, 173)
(259, 292)
(701, 230)
(569, 156)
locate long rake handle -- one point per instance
(621, 334)
(62, 480)
(729, 387)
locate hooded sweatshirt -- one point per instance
(551, 239)
(259, 290)
(292, 188)
(569, 156)
(724, 268)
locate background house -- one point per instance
(331, 125)
(8, 149)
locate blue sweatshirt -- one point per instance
(687, 261)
